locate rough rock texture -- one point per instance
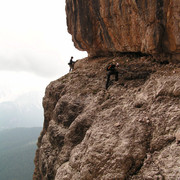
(110, 26)
(127, 132)
(131, 131)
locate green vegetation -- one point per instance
(17, 152)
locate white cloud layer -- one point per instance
(14, 84)
(34, 38)
(35, 46)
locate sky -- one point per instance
(35, 46)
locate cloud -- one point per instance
(34, 37)
(40, 63)
(43, 61)
(35, 46)
(14, 84)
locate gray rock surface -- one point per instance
(126, 132)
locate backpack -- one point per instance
(110, 67)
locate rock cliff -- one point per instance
(110, 26)
(131, 131)
(126, 132)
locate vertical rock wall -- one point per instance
(109, 26)
(131, 130)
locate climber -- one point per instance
(71, 64)
(112, 71)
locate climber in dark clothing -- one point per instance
(71, 64)
(112, 71)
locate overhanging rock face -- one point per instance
(109, 26)
(131, 130)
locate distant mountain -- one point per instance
(17, 152)
(25, 111)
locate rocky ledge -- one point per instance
(130, 131)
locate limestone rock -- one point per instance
(178, 137)
(126, 132)
(110, 26)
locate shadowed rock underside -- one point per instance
(108, 26)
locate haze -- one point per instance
(35, 46)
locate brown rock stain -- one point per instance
(125, 26)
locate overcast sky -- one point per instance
(35, 46)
